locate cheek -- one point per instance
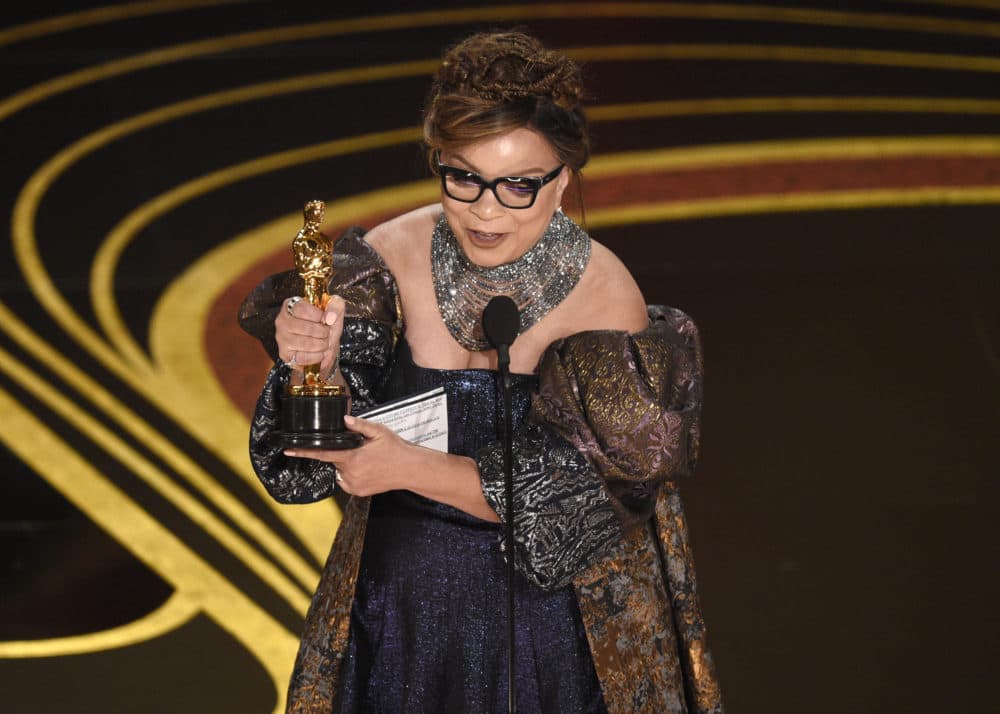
(531, 227)
(452, 210)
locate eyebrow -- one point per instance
(527, 172)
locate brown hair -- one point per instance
(492, 83)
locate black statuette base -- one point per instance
(341, 440)
(316, 422)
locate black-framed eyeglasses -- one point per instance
(511, 191)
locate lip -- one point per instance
(484, 238)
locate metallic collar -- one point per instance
(537, 281)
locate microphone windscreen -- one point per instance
(501, 321)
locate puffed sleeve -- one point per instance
(615, 416)
(371, 326)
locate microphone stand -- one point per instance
(501, 323)
(503, 365)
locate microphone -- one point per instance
(501, 323)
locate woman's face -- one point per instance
(490, 233)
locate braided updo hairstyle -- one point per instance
(492, 83)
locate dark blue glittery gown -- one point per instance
(428, 626)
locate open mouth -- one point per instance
(483, 237)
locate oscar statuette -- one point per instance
(312, 413)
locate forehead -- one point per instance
(518, 151)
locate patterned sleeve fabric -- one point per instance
(562, 513)
(370, 329)
(615, 417)
(359, 276)
(288, 480)
(261, 306)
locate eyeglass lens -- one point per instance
(466, 186)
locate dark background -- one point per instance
(844, 511)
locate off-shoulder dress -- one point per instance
(410, 611)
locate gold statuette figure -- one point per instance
(313, 252)
(313, 412)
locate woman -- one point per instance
(410, 612)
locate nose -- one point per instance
(487, 205)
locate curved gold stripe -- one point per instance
(154, 477)
(238, 255)
(107, 506)
(788, 53)
(981, 4)
(768, 105)
(171, 615)
(791, 202)
(860, 147)
(200, 48)
(100, 16)
(505, 13)
(833, 18)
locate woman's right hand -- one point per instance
(307, 335)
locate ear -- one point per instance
(562, 182)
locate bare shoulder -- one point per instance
(613, 299)
(400, 239)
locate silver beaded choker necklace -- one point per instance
(536, 282)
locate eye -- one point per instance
(465, 178)
(519, 186)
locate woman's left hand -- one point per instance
(382, 463)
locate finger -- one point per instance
(327, 363)
(297, 308)
(303, 343)
(303, 310)
(294, 334)
(368, 429)
(308, 328)
(327, 455)
(303, 358)
(335, 308)
(309, 349)
(289, 329)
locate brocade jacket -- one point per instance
(612, 431)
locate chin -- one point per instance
(490, 253)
